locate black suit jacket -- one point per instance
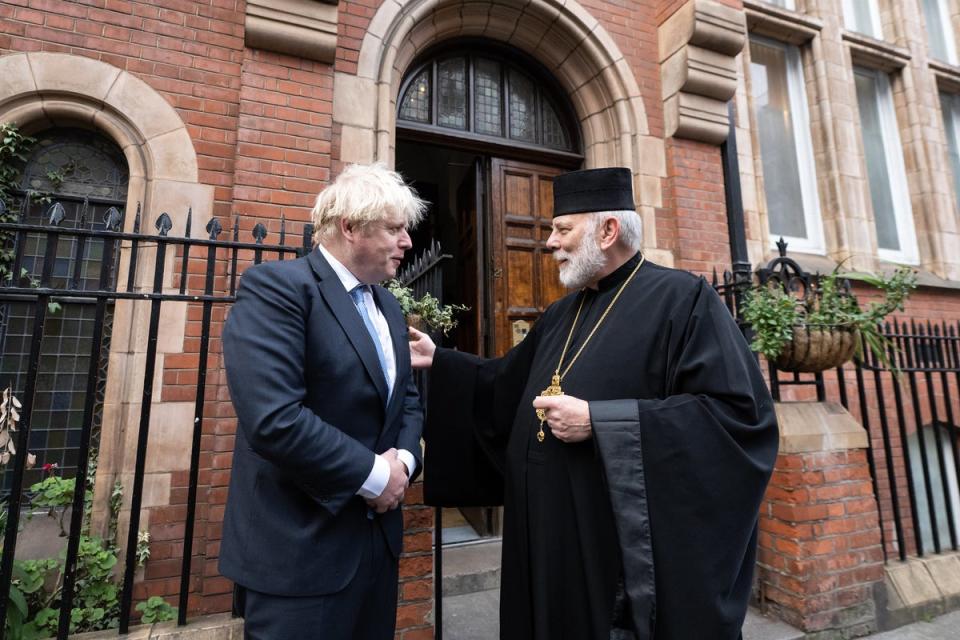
(312, 409)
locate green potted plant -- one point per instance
(826, 326)
(425, 313)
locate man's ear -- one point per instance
(609, 232)
(348, 230)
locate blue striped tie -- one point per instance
(357, 294)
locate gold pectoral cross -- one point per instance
(553, 390)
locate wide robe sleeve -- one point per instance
(686, 474)
(470, 412)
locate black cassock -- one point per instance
(663, 500)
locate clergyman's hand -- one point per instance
(421, 349)
(567, 417)
(392, 495)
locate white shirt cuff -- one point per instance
(376, 482)
(408, 460)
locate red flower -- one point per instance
(50, 467)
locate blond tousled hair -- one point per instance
(362, 194)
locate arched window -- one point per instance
(495, 95)
(79, 177)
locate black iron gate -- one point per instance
(93, 263)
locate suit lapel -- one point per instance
(349, 318)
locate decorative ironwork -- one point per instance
(214, 228)
(56, 214)
(259, 232)
(56, 279)
(909, 406)
(163, 224)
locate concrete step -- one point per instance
(760, 627)
(471, 568)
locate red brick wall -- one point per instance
(190, 51)
(693, 222)
(925, 305)
(819, 553)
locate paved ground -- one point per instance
(474, 616)
(471, 610)
(945, 627)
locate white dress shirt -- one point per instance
(377, 480)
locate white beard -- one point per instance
(583, 265)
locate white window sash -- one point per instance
(897, 170)
(950, 103)
(803, 141)
(850, 18)
(946, 28)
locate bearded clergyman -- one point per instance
(629, 436)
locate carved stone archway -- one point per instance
(44, 90)
(563, 36)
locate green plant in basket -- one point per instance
(778, 317)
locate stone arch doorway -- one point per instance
(481, 130)
(562, 36)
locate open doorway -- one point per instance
(493, 216)
(452, 182)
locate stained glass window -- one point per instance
(415, 104)
(523, 108)
(85, 174)
(488, 96)
(451, 93)
(554, 134)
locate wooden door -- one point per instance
(523, 278)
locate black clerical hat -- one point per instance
(609, 189)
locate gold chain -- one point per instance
(596, 326)
(554, 388)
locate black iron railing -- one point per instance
(425, 275)
(909, 406)
(218, 260)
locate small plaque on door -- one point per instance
(520, 329)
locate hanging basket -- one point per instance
(816, 348)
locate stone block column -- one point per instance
(821, 558)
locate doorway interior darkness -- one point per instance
(482, 129)
(493, 216)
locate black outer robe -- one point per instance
(665, 494)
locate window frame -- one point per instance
(806, 163)
(849, 18)
(946, 30)
(896, 168)
(546, 90)
(950, 108)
